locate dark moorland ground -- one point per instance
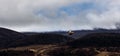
(81, 43)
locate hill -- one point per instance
(78, 33)
(97, 40)
(8, 36)
(87, 43)
(41, 39)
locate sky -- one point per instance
(57, 15)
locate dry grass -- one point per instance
(55, 50)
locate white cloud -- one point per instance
(109, 17)
(20, 15)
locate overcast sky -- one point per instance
(52, 15)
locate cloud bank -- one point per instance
(52, 15)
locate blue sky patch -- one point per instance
(76, 8)
(70, 10)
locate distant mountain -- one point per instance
(79, 33)
(97, 40)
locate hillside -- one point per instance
(8, 36)
(97, 40)
(41, 39)
(87, 43)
